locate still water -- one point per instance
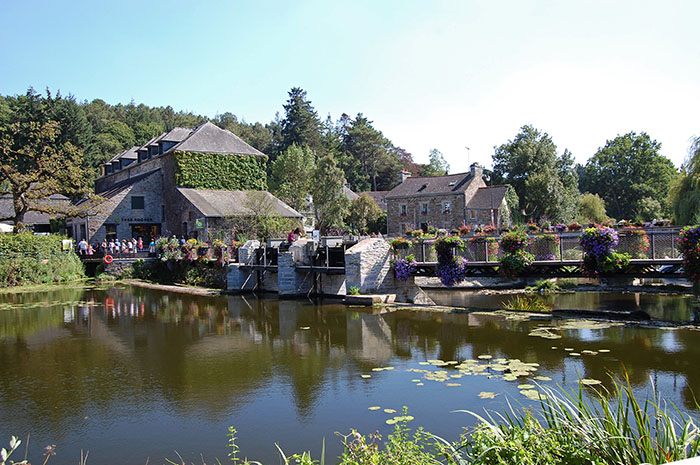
(129, 373)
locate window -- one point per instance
(472, 214)
(137, 202)
(446, 206)
(110, 231)
(403, 209)
(424, 208)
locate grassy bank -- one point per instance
(27, 259)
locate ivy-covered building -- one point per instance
(142, 186)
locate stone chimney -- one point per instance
(477, 170)
(403, 175)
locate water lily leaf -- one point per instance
(588, 324)
(531, 394)
(554, 347)
(305, 327)
(423, 363)
(568, 349)
(377, 369)
(590, 381)
(374, 407)
(390, 421)
(452, 384)
(485, 357)
(509, 377)
(389, 410)
(366, 376)
(574, 354)
(526, 386)
(544, 333)
(543, 378)
(589, 352)
(487, 395)
(419, 384)
(415, 381)
(603, 351)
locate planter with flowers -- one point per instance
(515, 260)
(599, 255)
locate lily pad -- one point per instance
(420, 384)
(452, 384)
(603, 351)
(531, 394)
(526, 386)
(390, 421)
(485, 357)
(487, 395)
(544, 333)
(305, 327)
(543, 378)
(590, 382)
(574, 354)
(389, 410)
(366, 376)
(374, 407)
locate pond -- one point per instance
(129, 373)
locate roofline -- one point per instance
(429, 194)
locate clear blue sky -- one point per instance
(429, 74)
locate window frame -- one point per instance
(135, 201)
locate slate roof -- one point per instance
(209, 138)
(431, 185)
(123, 154)
(379, 198)
(31, 217)
(176, 134)
(489, 198)
(116, 188)
(221, 203)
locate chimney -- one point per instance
(403, 175)
(477, 170)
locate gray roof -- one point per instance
(349, 193)
(176, 134)
(489, 198)
(431, 185)
(379, 198)
(129, 153)
(145, 146)
(221, 203)
(115, 188)
(32, 217)
(209, 138)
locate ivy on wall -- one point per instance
(220, 171)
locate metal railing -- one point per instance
(652, 244)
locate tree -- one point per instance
(34, 167)
(363, 213)
(291, 175)
(367, 156)
(300, 125)
(684, 196)
(592, 209)
(330, 203)
(437, 166)
(546, 183)
(627, 170)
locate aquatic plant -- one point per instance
(544, 286)
(527, 303)
(353, 290)
(689, 247)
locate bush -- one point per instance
(515, 264)
(30, 259)
(689, 246)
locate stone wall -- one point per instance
(434, 217)
(368, 267)
(117, 210)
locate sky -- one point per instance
(429, 74)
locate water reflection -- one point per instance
(146, 366)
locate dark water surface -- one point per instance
(129, 373)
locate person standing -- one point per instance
(83, 246)
(140, 244)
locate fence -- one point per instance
(639, 243)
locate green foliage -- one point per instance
(301, 125)
(614, 262)
(628, 170)
(220, 171)
(544, 286)
(29, 259)
(364, 212)
(330, 203)
(437, 165)
(515, 264)
(591, 209)
(291, 176)
(353, 290)
(35, 165)
(684, 195)
(546, 183)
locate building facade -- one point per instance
(142, 187)
(445, 202)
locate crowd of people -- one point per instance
(116, 247)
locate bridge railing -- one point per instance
(641, 244)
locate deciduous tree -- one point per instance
(627, 170)
(291, 175)
(684, 196)
(330, 203)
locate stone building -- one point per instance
(445, 202)
(164, 186)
